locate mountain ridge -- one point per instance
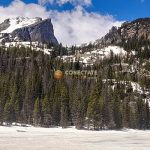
(136, 29)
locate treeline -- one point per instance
(29, 94)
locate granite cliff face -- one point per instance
(25, 29)
(137, 29)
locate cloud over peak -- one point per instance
(19, 8)
(79, 26)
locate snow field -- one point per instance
(32, 138)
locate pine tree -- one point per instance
(80, 113)
(126, 113)
(94, 112)
(9, 113)
(37, 112)
(56, 113)
(46, 112)
(64, 115)
(140, 114)
(1, 113)
(117, 108)
(64, 108)
(147, 115)
(95, 105)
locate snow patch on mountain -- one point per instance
(90, 58)
(19, 22)
(33, 46)
(116, 50)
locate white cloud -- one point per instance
(79, 26)
(62, 2)
(71, 27)
(19, 8)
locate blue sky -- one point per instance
(120, 9)
(77, 21)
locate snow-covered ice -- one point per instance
(31, 138)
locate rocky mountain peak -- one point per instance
(22, 29)
(137, 29)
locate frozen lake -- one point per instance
(31, 138)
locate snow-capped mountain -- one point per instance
(22, 29)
